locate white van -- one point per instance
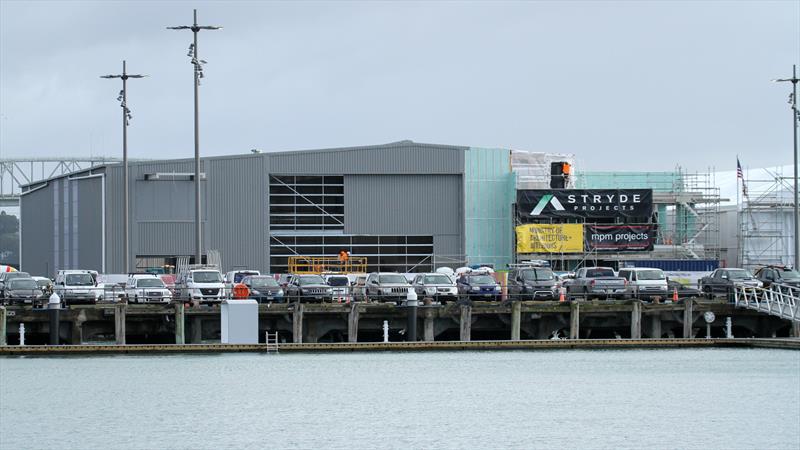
(645, 282)
(77, 286)
(200, 282)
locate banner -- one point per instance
(582, 203)
(620, 238)
(566, 238)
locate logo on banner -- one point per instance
(547, 198)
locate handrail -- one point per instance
(778, 300)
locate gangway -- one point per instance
(777, 300)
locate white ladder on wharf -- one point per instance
(271, 340)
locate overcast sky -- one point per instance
(623, 85)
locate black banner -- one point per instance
(619, 238)
(584, 203)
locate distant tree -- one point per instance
(9, 239)
(8, 223)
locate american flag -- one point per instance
(740, 174)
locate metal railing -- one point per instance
(777, 300)
(326, 264)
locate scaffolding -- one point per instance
(765, 219)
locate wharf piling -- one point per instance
(516, 318)
(180, 337)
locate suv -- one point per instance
(77, 286)
(263, 288)
(387, 287)
(535, 283)
(202, 283)
(645, 283)
(22, 290)
(5, 277)
(478, 285)
(723, 281)
(308, 288)
(340, 287)
(147, 288)
(778, 275)
(437, 286)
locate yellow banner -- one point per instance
(561, 238)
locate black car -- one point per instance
(264, 288)
(770, 275)
(532, 283)
(308, 288)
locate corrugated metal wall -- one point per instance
(407, 205)
(397, 158)
(62, 226)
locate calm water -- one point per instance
(711, 398)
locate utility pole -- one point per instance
(795, 117)
(126, 116)
(198, 74)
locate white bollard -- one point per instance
(54, 301)
(22, 334)
(385, 331)
(728, 328)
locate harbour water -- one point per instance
(683, 398)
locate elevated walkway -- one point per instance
(780, 300)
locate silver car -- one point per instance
(436, 286)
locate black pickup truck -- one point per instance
(724, 281)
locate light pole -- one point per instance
(126, 116)
(198, 74)
(795, 116)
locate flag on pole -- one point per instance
(740, 174)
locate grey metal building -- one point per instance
(402, 205)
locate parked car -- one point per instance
(22, 290)
(778, 275)
(284, 279)
(645, 283)
(723, 281)
(533, 283)
(45, 284)
(236, 276)
(147, 288)
(598, 282)
(437, 286)
(264, 288)
(200, 283)
(113, 285)
(77, 286)
(359, 288)
(340, 287)
(478, 286)
(387, 287)
(683, 290)
(308, 288)
(5, 277)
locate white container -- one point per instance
(239, 322)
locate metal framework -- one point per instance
(16, 172)
(779, 300)
(765, 219)
(323, 264)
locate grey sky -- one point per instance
(623, 85)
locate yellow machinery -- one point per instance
(327, 264)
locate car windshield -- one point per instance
(537, 274)
(11, 275)
(150, 282)
(208, 276)
(437, 279)
(79, 279)
(739, 274)
(312, 279)
(262, 282)
(23, 283)
(338, 281)
(481, 279)
(392, 279)
(594, 273)
(650, 275)
(787, 274)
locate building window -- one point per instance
(301, 203)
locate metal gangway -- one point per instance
(777, 300)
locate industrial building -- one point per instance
(405, 206)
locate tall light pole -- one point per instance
(126, 116)
(198, 74)
(795, 117)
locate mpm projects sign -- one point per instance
(546, 238)
(584, 203)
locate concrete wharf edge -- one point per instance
(102, 349)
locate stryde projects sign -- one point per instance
(584, 203)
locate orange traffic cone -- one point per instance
(561, 295)
(675, 295)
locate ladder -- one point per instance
(777, 300)
(271, 340)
